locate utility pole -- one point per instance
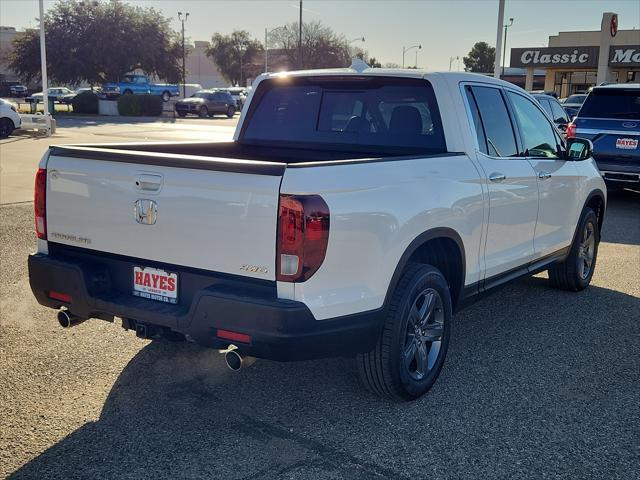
(504, 54)
(496, 63)
(43, 67)
(266, 47)
(300, 39)
(184, 54)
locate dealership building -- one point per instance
(575, 61)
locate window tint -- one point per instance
(544, 102)
(386, 112)
(537, 133)
(495, 119)
(612, 103)
(475, 115)
(559, 115)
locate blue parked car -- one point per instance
(139, 85)
(610, 118)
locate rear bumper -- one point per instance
(284, 330)
(619, 172)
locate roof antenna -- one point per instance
(359, 65)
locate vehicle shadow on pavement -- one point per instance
(536, 380)
(624, 206)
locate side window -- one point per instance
(559, 115)
(475, 115)
(537, 133)
(501, 141)
(546, 105)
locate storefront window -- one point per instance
(568, 83)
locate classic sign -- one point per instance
(627, 55)
(555, 57)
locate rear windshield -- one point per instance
(612, 103)
(397, 113)
(575, 99)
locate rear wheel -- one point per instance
(576, 271)
(182, 114)
(413, 344)
(127, 92)
(231, 111)
(6, 127)
(203, 112)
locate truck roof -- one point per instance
(454, 77)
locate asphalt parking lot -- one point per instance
(538, 383)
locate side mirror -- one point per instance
(579, 149)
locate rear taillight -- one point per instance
(40, 203)
(303, 235)
(571, 130)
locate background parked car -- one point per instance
(554, 110)
(9, 118)
(207, 103)
(12, 89)
(610, 118)
(140, 85)
(67, 99)
(573, 103)
(239, 94)
(55, 93)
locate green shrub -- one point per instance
(135, 105)
(85, 102)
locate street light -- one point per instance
(266, 43)
(406, 49)
(359, 39)
(504, 54)
(451, 59)
(184, 54)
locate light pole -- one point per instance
(504, 54)
(300, 39)
(266, 43)
(359, 39)
(184, 54)
(496, 58)
(43, 67)
(451, 59)
(406, 49)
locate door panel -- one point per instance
(511, 183)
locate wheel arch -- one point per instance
(596, 201)
(442, 248)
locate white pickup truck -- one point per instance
(353, 213)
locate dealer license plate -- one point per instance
(155, 284)
(627, 143)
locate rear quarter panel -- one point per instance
(377, 209)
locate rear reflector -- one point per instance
(63, 297)
(303, 236)
(40, 204)
(234, 336)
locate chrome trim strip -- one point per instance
(592, 131)
(605, 172)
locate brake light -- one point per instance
(40, 203)
(571, 130)
(303, 235)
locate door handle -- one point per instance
(544, 175)
(497, 177)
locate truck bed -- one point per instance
(212, 154)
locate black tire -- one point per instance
(182, 114)
(390, 370)
(575, 272)
(166, 96)
(231, 111)
(203, 112)
(6, 127)
(127, 92)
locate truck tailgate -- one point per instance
(223, 221)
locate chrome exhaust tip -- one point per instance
(67, 319)
(234, 360)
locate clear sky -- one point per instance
(444, 28)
